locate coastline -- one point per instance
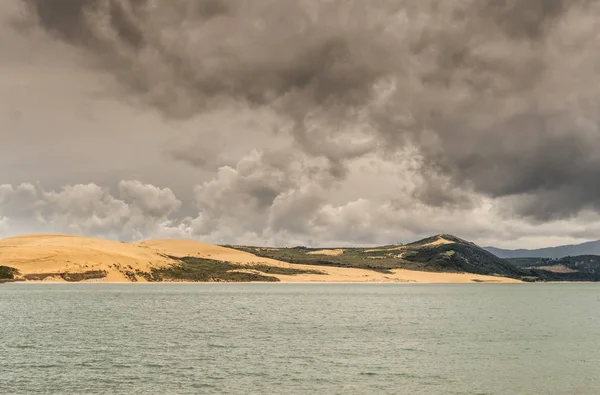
(63, 259)
(255, 282)
(399, 282)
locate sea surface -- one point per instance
(299, 339)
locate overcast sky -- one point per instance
(319, 123)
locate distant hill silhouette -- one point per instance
(588, 248)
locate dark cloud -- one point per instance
(184, 58)
(520, 19)
(496, 95)
(125, 26)
(247, 54)
(206, 9)
(65, 18)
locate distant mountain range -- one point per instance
(588, 248)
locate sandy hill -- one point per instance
(44, 254)
(74, 258)
(436, 254)
(189, 248)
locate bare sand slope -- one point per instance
(440, 241)
(335, 252)
(182, 248)
(37, 254)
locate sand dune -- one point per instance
(182, 248)
(38, 254)
(336, 252)
(440, 241)
(47, 254)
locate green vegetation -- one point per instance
(531, 262)
(70, 277)
(458, 256)
(580, 268)
(129, 272)
(8, 273)
(288, 271)
(530, 279)
(208, 270)
(139, 273)
(204, 270)
(381, 261)
(186, 269)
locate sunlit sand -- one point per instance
(39, 254)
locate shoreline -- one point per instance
(59, 259)
(293, 282)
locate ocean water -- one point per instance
(299, 339)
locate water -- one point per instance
(299, 339)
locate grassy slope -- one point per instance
(202, 270)
(7, 273)
(454, 255)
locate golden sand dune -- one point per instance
(183, 248)
(336, 252)
(58, 254)
(440, 241)
(45, 254)
(39, 254)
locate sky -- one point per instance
(317, 123)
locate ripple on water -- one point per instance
(297, 339)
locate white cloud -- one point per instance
(4, 226)
(151, 200)
(141, 211)
(263, 201)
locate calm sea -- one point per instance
(299, 339)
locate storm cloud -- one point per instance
(475, 100)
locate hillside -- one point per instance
(570, 268)
(588, 248)
(441, 253)
(74, 259)
(56, 257)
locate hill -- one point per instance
(74, 258)
(588, 248)
(570, 268)
(441, 253)
(441, 259)
(56, 257)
